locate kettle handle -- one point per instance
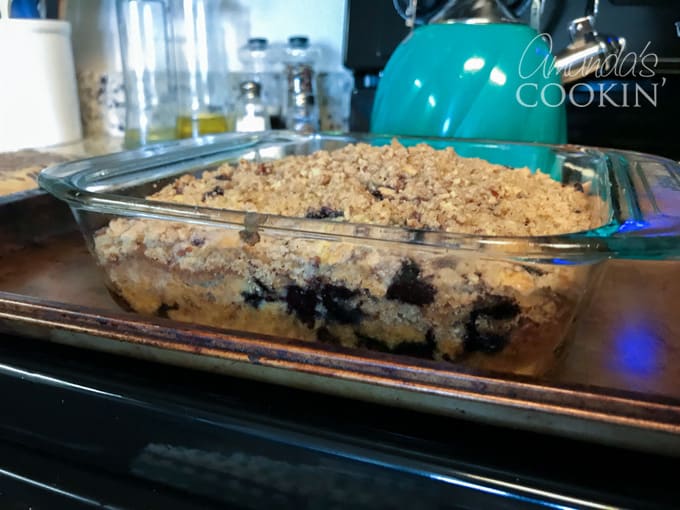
(588, 50)
(421, 14)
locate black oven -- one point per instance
(85, 430)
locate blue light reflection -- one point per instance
(638, 350)
(632, 226)
(564, 262)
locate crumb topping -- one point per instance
(415, 187)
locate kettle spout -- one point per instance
(587, 52)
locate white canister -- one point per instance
(38, 91)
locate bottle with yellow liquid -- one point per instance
(203, 124)
(176, 76)
(136, 137)
(202, 74)
(149, 72)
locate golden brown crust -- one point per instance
(415, 187)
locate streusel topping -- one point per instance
(416, 187)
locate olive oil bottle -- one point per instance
(189, 126)
(136, 137)
(203, 86)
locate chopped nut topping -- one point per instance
(389, 184)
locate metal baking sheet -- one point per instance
(618, 383)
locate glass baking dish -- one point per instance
(498, 303)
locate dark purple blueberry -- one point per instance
(480, 333)
(578, 187)
(376, 194)
(259, 293)
(408, 287)
(325, 336)
(497, 307)
(484, 342)
(323, 212)
(198, 241)
(163, 310)
(336, 300)
(252, 298)
(302, 302)
(216, 191)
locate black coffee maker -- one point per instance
(632, 106)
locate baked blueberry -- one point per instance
(376, 194)
(490, 323)
(325, 336)
(216, 191)
(324, 212)
(163, 310)
(335, 298)
(302, 302)
(259, 292)
(497, 307)
(489, 343)
(408, 287)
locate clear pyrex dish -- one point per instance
(500, 303)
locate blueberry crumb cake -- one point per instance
(401, 299)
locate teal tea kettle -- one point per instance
(473, 71)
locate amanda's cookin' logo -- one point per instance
(618, 86)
